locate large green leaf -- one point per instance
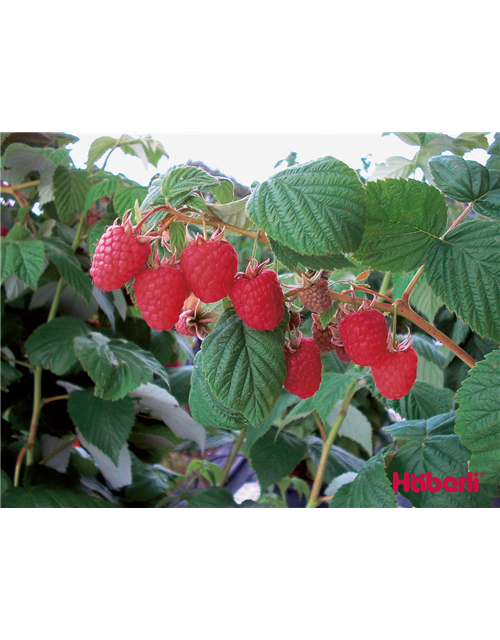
(291, 259)
(45, 497)
(316, 208)
(423, 401)
(205, 406)
(478, 417)
(51, 344)
(104, 188)
(233, 213)
(493, 162)
(180, 182)
(355, 426)
(244, 367)
(275, 455)
(463, 269)
(212, 498)
(370, 489)
(405, 218)
(68, 266)
(143, 147)
(25, 259)
(125, 197)
(419, 430)
(463, 180)
(442, 456)
(116, 366)
(70, 190)
(103, 423)
(489, 204)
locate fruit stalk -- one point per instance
(232, 456)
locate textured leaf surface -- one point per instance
(316, 208)
(212, 498)
(42, 497)
(116, 366)
(478, 417)
(233, 213)
(405, 218)
(105, 424)
(339, 461)
(180, 182)
(244, 367)
(464, 271)
(104, 188)
(68, 266)
(355, 427)
(463, 180)
(51, 344)
(125, 197)
(118, 474)
(70, 190)
(291, 259)
(275, 455)
(423, 401)
(419, 429)
(25, 259)
(370, 489)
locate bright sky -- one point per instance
(249, 157)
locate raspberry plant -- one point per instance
(325, 330)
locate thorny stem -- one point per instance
(328, 443)
(459, 219)
(232, 456)
(65, 445)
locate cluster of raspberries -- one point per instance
(208, 269)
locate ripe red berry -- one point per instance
(4, 231)
(303, 364)
(322, 336)
(182, 325)
(173, 365)
(364, 336)
(160, 294)
(258, 298)
(395, 375)
(209, 267)
(118, 257)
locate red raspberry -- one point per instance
(364, 336)
(258, 298)
(118, 257)
(303, 364)
(209, 267)
(295, 320)
(396, 374)
(342, 354)
(182, 325)
(160, 294)
(322, 336)
(4, 231)
(173, 365)
(196, 322)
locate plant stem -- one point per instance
(17, 187)
(320, 425)
(232, 456)
(327, 446)
(459, 219)
(395, 326)
(385, 283)
(70, 442)
(412, 284)
(29, 447)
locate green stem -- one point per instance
(232, 456)
(327, 446)
(395, 325)
(385, 282)
(29, 448)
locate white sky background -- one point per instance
(249, 157)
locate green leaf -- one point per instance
(493, 162)
(25, 259)
(100, 190)
(212, 498)
(332, 389)
(116, 366)
(6, 483)
(291, 259)
(462, 180)
(478, 417)
(178, 239)
(51, 344)
(70, 190)
(98, 148)
(370, 489)
(45, 497)
(442, 456)
(154, 195)
(244, 367)
(316, 208)
(206, 408)
(423, 401)
(419, 430)
(103, 423)
(489, 204)
(394, 167)
(224, 191)
(405, 218)
(97, 229)
(182, 181)
(254, 433)
(233, 213)
(355, 426)
(68, 266)
(205, 469)
(464, 270)
(275, 455)
(125, 197)
(9, 374)
(431, 361)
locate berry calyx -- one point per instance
(160, 292)
(209, 267)
(364, 336)
(395, 375)
(303, 364)
(322, 336)
(119, 255)
(195, 322)
(257, 297)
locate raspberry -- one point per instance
(322, 336)
(364, 336)
(160, 294)
(209, 267)
(315, 295)
(173, 365)
(118, 257)
(182, 325)
(303, 364)
(4, 231)
(258, 298)
(395, 375)
(196, 322)
(342, 354)
(295, 320)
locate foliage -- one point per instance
(96, 411)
